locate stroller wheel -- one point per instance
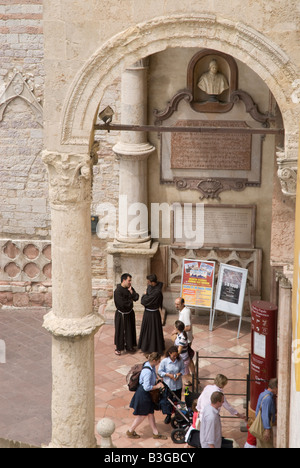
(178, 436)
(178, 423)
(174, 423)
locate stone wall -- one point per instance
(24, 207)
(25, 259)
(23, 191)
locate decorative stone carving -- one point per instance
(210, 188)
(296, 93)
(25, 261)
(285, 282)
(18, 87)
(70, 177)
(251, 259)
(251, 107)
(172, 106)
(287, 173)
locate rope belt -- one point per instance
(125, 313)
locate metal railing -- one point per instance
(246, 380)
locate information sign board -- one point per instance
(230, 291)
(197, 284)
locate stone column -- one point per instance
(284, 362)
(133, 151)
(133, 248)
(71, 321)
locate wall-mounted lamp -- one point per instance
(106, 115)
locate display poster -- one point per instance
(231, 288)
(197, 283)
(230, 292)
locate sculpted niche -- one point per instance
(200, 160)
(212, 77)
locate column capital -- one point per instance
(70, 178)
(284, 281)
(287, 162)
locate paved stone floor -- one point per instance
(25, 378)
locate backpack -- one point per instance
(133, 376)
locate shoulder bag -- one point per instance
(257, 428)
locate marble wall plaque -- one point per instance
(224, 225)
(228, 151)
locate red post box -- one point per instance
(263, 348)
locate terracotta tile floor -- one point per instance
(25, 378)
(113, 397)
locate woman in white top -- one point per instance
(183, 345)
(204, 399)
(185, 316)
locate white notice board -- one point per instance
(230, 291)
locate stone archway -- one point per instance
(249, 46)
(73, 324)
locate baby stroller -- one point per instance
(182, 417)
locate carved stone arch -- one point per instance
(265, 57)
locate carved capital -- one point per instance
(283, 280)
(70, 178)
(287, 173)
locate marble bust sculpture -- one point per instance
(213, 82)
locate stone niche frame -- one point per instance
(199, 65)
(210, 184)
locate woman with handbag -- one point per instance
(142, 402)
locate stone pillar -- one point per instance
(71, 321)
(133, 249)
(284, 362)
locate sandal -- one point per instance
(159, 436)
(117, 352)
(132, 435)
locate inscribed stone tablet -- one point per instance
(210, 151)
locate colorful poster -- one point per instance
(197, 283)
